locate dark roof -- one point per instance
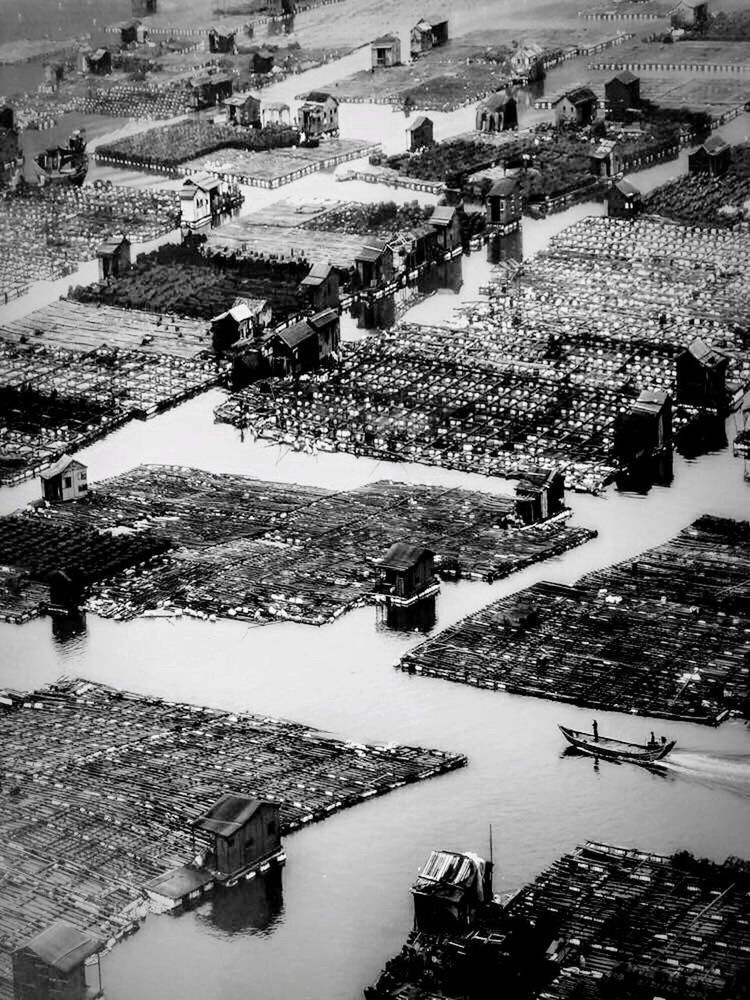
(318, 273)
(707, 355)
(319, 97)
(715, 144)
(322, 318)
(372, 251)
(651, 400)
(625, 76)
(229, 814)
(534, 480)
(63, 946)
(628, 189)
(60, 466)
(401, 556)
(180, 882)
(581, 95)
(296, 334)
(498, 100)
(419, 122)
(109, 246)
(503, 187)
(385, 39)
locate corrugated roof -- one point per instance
(503, 187)
(60, 466)
(228, 815)
(323, 317)
(702, 352)
(318, 273)
(63, 946)
(651, 400)
(443, 215)
(203, 181)
(402, 556)
(628, 189)
(296, 334)
(497, 100)
(715, 144)
(419, 122)
(581, 95)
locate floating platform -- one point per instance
(665, 634)
(263, 551)
(100, 787)
(602, 915)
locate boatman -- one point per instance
(595, 727)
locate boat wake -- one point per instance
(725, 770)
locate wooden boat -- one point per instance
(64, 164)
(635, 753)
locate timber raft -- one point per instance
(105, 801)
(600, 922)
(665, 634)
(237, 547)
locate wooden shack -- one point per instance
(450, 891)
(689, 14)
(407, 572)
(10, 147)
(261, 61)
(385, 51)
(321, 286)
(243, 110)
(504, 204)
(96, 63)
(577, 107)
(246, 318)
(605, 159)
(527, 63)
(318, 115)
(701, 376)
(245, 832)
(420, 133)
(374, 263)
(497, 113)
(622, 94)
(133, 33)
(646, 428)
(114, 257)
(293, 351)
(200, 199)
(428, 33)
(143, 8)
(63, 481)
(624, 200)
(540, 494)
(54, 73)
(446, 222)
(327, 326)
(210, 90)
(221, 41)
(714, 157)
(52, 965)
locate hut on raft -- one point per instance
(504, 203)
(114, 257)
(624, 200)
(540, 494)
(576, 107)
(65, 480)
(497, 113)
(647, 428)
(244, 832)
(53, 965)
(321, 286)
(407, 574)
(420, 133)
(714, 157)
(450, 891)
(385, 52)
(622, 95)
(447, 224)
(702, 376)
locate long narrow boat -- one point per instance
(600, 746)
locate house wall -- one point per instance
(33, 979)
(69, 485)
(699, 384)
(255, 841)
(621, 96)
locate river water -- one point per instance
(342, 906)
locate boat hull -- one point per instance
(634, 753)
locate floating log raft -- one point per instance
(600, 920)
(537, 373)
(105, 801)
(264, 551)
(664, 635)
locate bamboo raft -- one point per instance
(663, 635)
(536, 373)
(262, 551)
(105, 801)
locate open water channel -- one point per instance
(342, 906)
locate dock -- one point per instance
(664, 634)
(104, 804)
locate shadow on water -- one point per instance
(255, 906)
(705, 434)
(645, 473)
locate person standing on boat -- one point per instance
(595, 727)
